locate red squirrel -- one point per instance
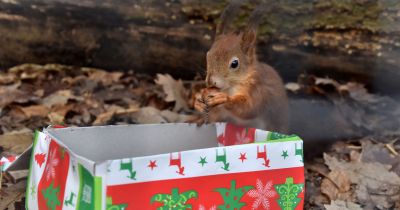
(240, 89)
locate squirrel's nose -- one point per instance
(209, 81)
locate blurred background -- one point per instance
(97, 62)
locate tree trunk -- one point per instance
(343, 39)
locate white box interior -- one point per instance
(102, 143)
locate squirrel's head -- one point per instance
(230, 58)
(232, 55)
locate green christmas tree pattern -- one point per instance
(288, 193)
(111, 206)
(232, 196)
(175, 200)
(51, 195)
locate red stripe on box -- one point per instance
(52, 183)
(236, 135)
(138, 196)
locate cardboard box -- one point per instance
(165, 166)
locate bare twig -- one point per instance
(389, 146)
(354, 147)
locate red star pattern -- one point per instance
(242, 157)
(152, 164)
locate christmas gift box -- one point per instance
(165, 166)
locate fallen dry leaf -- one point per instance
(326, 81)
(174, 90)
(58, 112)
(342, 205)
(11, 93)
(113, 110)
(16, 141)
(148, 115)
(56, 118)
(25, 67)
(106, 78)
(6, 79)
(375, 182)
(337, 186)
(34, 110)
(39, 93)
(11, 194)
(329, 189)
(103, 118)
(16, 113)
(60, 97)
(27, 71)
(341, 180)
(378, 153)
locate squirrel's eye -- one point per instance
(234, 64)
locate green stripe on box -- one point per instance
(97, 192)
(274, 136)
(294, 138)
(80, 186)
(86, 193)
(35, 139)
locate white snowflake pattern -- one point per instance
(262, 194)
(50, 166)
(241, 137)
(201, 207)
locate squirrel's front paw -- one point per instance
(216, 98)
(199, 103)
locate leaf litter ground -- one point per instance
(353, 173)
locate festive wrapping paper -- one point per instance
(250, 169)
(5, 162)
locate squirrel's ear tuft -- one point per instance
(249, 36)
(227, 16)
(248, 42)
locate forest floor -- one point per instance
(359, 173)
